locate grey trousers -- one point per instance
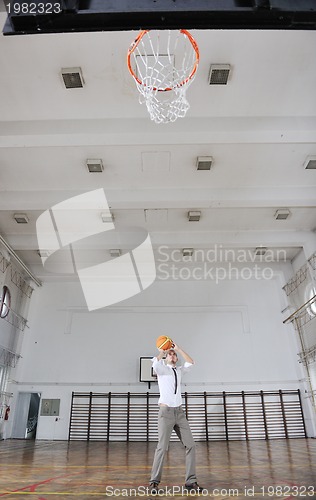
(168, 419)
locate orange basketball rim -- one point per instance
(185, 80)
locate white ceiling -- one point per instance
(259, 129)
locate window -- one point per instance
(310, 293)
(5, 302)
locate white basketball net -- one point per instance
(163, 65)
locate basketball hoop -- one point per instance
(163, 65)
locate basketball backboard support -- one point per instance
(103, 15)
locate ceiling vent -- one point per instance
(107, 216)
(21, 218)
(310, 163)
(194, 216)
(115, 252)
(94, 166)
(260, 251)
(72, 78)
(204, 162)
(282, 214)
(187, 252)
(219, 74)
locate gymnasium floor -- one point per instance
(42, 470)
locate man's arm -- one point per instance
(185, 356)
(161, 354)
(159, 368)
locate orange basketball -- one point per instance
(164, 342)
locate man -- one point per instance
(171, 415)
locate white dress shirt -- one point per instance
(166, 382)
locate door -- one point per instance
(26, 415)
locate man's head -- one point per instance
(172, 357)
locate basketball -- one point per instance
(164, 342)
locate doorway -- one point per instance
(26, 415)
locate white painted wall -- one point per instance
(232, 329)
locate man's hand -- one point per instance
(161, 354)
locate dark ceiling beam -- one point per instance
(119, 15)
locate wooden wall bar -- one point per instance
(213, 416)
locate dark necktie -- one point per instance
(175, 380)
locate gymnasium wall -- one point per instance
(233, 329)
(15, 296)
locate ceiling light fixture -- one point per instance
(219, 74)
(107, 216)
(115, 252)
(187, 252)
(21, 218)
(194, 216)
(282, 214)
(94, 166)
(72, 78)
(44, 253)
(260, 251)
(310, 163)
(204, 162)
